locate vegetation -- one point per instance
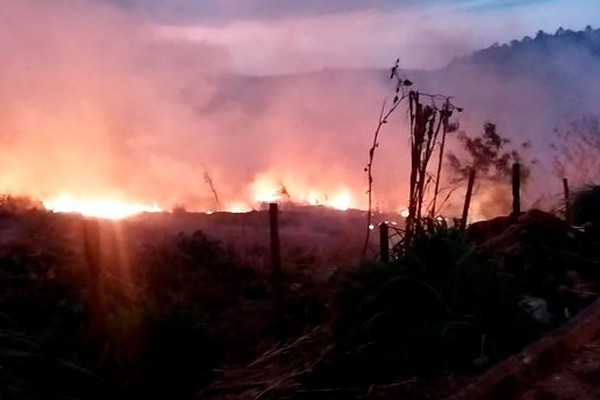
(182, 318)
(429, 125)
(490, 154)
(443, 305)
(584, 207)
(93, 309)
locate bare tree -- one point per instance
(429, 116)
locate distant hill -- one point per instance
(528, 87)
(519, 55)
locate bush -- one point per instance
(159, 352)
(28, 371)
(443, 305)
(178, 354)
(585, 206)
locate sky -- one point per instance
(284, 36)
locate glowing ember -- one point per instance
(238, 208)
(404, 213)
(341, 201)
(267, 197)
(101, 208)
(266, 189)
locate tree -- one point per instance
(489, 153)
(540, 35)
(492, 156)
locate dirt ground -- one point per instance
(578, 378)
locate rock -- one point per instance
(537, 308)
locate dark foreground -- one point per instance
(185, 306)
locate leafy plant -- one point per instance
(443, 305)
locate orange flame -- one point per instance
(101, 208)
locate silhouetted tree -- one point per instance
(489, 153)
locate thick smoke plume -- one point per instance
(93, 105)
(96, 103)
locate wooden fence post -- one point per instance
(516, 189)
(567, 200)
(276, 278)
(384, 249)
(275, 247)
(465, 214)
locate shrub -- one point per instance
(178, 353)
(443, 305)
(158, 352)
(585, 205)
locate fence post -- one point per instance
(516, 189)
(275, 247)
(276, 266)
(465, 214)
(567, 200)
(384, 249)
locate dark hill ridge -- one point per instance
(555, 72)
(525, 57)
(521, 53)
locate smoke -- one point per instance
(93, 104)
(96, 101)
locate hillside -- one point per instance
(530, 88)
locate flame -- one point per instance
(238, 207)
(267, 189)
(100, 208)
(341, 201)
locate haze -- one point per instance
(150, 101)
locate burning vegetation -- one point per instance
(138, 259)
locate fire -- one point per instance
(238, 207)
(101, 208)
(267, 189)
(342, 201)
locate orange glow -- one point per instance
(266, 190)
(238, 208)
(101, 208)
(342, 201)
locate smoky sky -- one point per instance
(269, 36)
(98, 99)
(220, 11)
